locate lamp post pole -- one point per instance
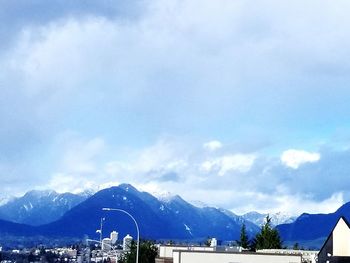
(137, 227)
(101, 228)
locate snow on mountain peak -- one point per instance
(164, 196)
(87, 192)
(5, 199)
(199, 204)
(276, 218)
(41, 193)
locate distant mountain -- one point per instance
(169, 218)
(173, 218)
(276, 218)
(40, 207)
(313, 226)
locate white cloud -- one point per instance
(296, 203)
(161, 161)
(62, 183)
(294, 158)
(78, 165)
(215, 62)
(212, 145)
(186, 169)
(80, 155)
(229, 163)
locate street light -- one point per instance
(137, 227)
(101, 228)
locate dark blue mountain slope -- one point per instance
(173, 218)
(313, 226)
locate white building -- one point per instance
(308, 256)
(106, 244)
(114, 237)
(166, 251)
(213, 242)
(199, 254)
(127, 242)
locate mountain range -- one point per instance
(40, 207)
(173, 218)
(49, 214)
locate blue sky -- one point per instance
(240, 104)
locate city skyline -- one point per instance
(237, 104)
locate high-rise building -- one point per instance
(114, 237)
(106, 244)
(127, 242)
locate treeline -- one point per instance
(267, 238)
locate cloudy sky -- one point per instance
(236, 103)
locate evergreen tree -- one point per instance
(147, 253)
(243, 240)
(268, 238)
(207, 242)
(296, 246)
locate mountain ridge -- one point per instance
(168, 218)
(37, 207)
(171, 219)
(312, 222)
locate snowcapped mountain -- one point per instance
(199, 204)
(282, 218)
(164, 196)
(169, 199)
(4, 199)
(276, 218)
(40, 207)
(172, 218)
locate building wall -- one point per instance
(341, 239)
(211, 257)
(167, 251)
(306, 255)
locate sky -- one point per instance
(239, 104)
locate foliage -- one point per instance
(296, 246)
(48, 257)
(243, 240)
(147, 253)
(207, 242)
(268, 237)
(31, 257)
